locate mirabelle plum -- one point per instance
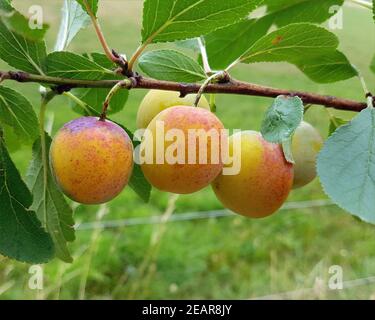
(306, 145)
(174, 171)
(264, 180)
(91, 160)
(156, 101)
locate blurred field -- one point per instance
(224, 258)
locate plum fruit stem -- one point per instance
(215, 76)
(119, 85)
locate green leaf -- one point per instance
(12, 142)
(21, 234)
(346, 166)
(331, 67)
(18, 23)
(372, 66)
(284, 12)
(73, 19)
(335, 123)
(191, 44)
(290, 43)
(311, 48)
(17, 112)
(228, 44)
(287, 150)
(73, 66)
(139, 184)
(5, 5)
(49, 203)
(282, 119)
(171, 65)
(95, 97)
(171, 20)
(20, 52)
(93, 5)
(101, 59)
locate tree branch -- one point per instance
(230, 87)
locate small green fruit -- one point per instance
(306, 145)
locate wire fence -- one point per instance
(317, 290)
(189, 216)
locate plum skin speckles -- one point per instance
(183, 178)
(264, 181)
(91, 160)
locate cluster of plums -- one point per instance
(92, 160)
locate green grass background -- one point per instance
(224, 258)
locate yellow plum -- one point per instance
(156, 101)
(91, 160)
(264, 180)
(306, 145)
(182, 174)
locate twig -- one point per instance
(231, 87)
(111, 55)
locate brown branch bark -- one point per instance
(230, 87)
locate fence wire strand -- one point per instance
(188, 216)
(300, 292)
